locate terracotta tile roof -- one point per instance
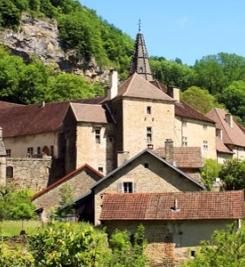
(184, 110)
(4, 104)
(33, 119)
(90, 113)
(184, 157)
(95, 100)
(137, 86)
(66, 178)
(160, 206)
(231, 136)
(221, 147)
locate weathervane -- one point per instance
(139, 25)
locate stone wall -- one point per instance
(80, 183)
(136, 120)
(32, 173)
(157, 177)
(196, 132)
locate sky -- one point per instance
(185, 29)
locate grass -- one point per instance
(13, 228)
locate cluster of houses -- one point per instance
(130, 157)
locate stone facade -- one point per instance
(79, 182)
(32, 173)
(136, 120)
(154, 178)
(97, 151)
(195, 133)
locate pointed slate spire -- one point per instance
(140, 61)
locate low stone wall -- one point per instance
(30, 173)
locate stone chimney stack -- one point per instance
(217, 186)
(229, 119)
(113, 90)
(169, 151)
(174, 93)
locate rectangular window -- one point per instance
(8, 153)
(52, 151)
(127, 187)
(148, 109)
(100, 169)
(39, 150)
(97, 135)
(9, 172)
(184, 141)
(149, 134)
(205, 145)
(30, 151)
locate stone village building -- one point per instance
(138, 139)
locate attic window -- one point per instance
(128, 187)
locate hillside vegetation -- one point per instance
(213, 81)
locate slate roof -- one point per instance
(66, 178)
(33, 119)
(184, 110)
(231, 136)
(138, 87)
(173, 206)
(184, 157)
(90, 113)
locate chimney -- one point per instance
(43, 104)
(217, 185)
(169, 151)
(174, 93)
(229, 119)
(113, 90)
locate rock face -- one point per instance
(40, 37)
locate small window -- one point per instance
(97, 136)
(184, 123)
(100, 169)
(149, 134)
(30, 151)
(184, 141)
(128, 187)
(205, 145)
(8, 153)
(193, 253)
(9, 172)
(148, 109)
(38, 150)
(146, 165)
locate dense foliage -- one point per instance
(210, 172)
(80, 29)
(15, 204)
(232, 173)
(225, 249)
(34, 82)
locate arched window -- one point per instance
(9, 172)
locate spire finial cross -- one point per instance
(139, 24)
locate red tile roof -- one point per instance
(33, 119)
(231, 136)
(184, 110)
(184, 157)
(137, 86)
(66, 178)
(4, 104)
(90, 113)
(160, 206)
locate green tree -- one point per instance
(226, 248)
(69, 244)
(233, 174)
(234, 99)
(210, 172)
(200, 99)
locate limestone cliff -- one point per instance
(40, 37)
